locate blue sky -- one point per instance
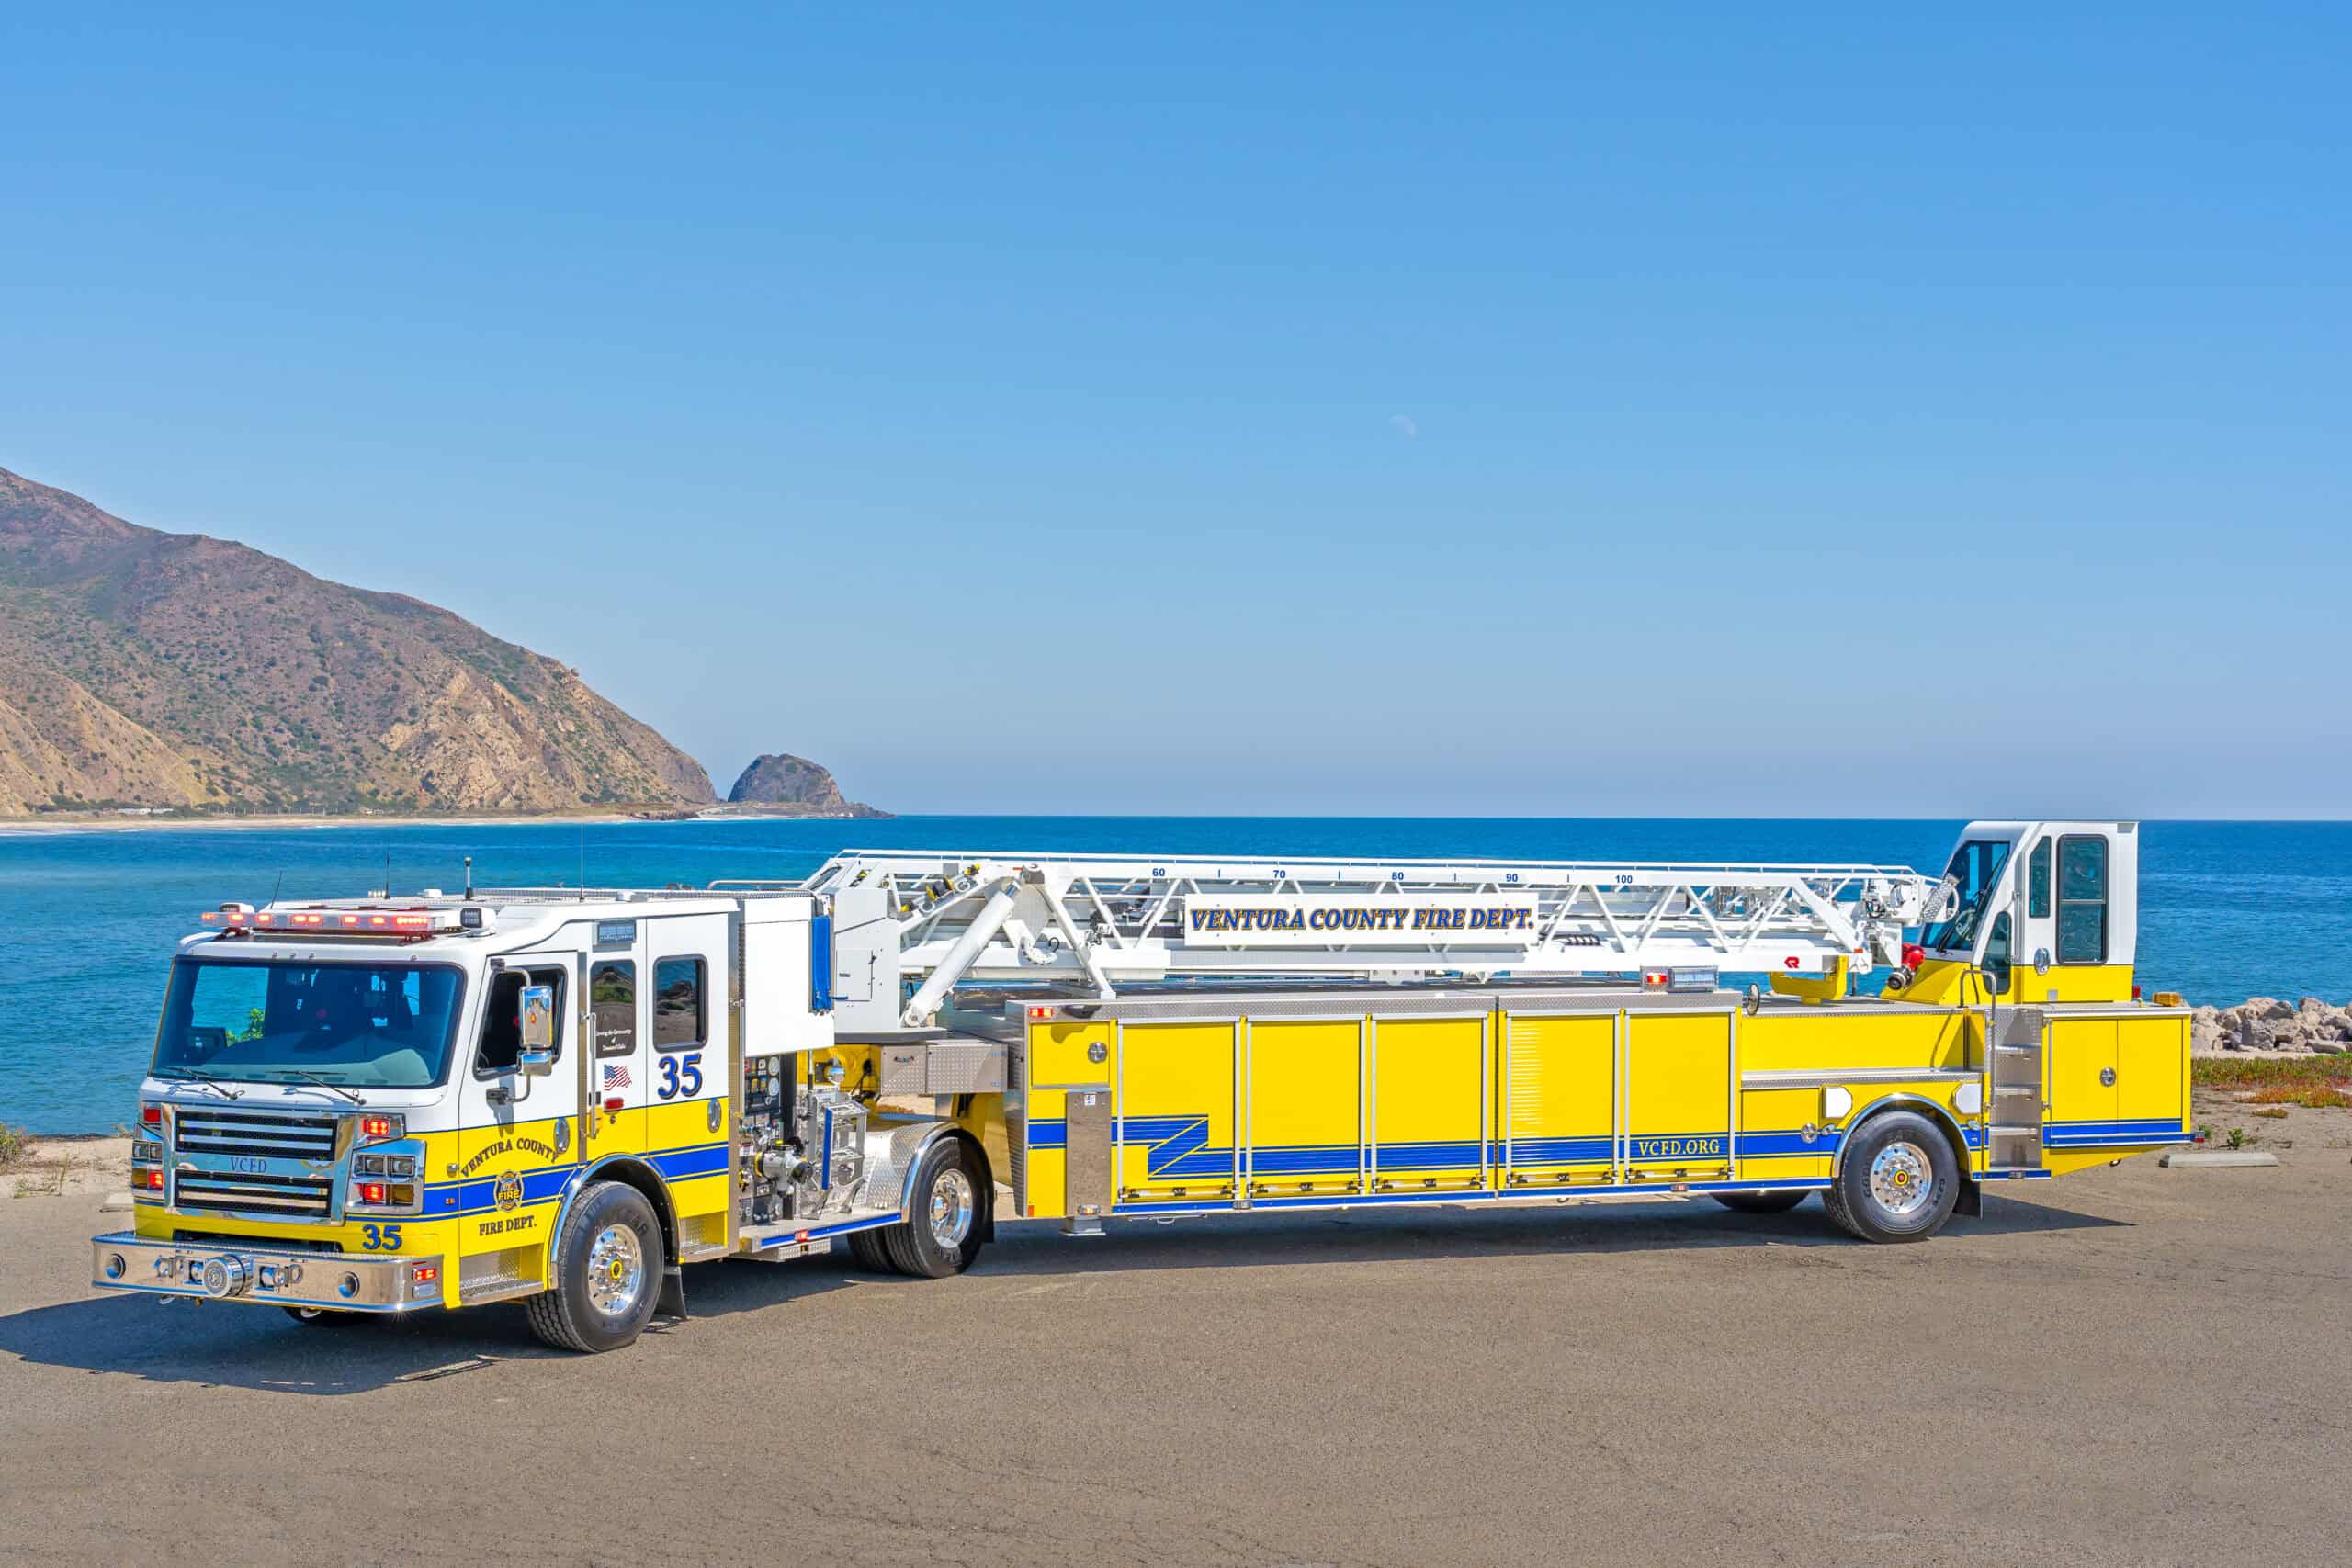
(1421, 409)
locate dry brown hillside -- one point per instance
(141, 667)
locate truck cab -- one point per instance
(2037, 912)
(382, 1105)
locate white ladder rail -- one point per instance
(1108, 920)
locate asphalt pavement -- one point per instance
(2133, 1365)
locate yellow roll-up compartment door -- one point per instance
(1559, 1085)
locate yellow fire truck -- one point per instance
(388, 1104)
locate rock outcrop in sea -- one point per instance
(781, 779)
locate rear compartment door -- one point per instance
(1305, 1115)
(1679, 1092)
(1429, 1103)
(1559, 1098)
(1179, 1092)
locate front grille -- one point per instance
(296, 1197)
(274, 1242)
(255, 1134)
(228, 1159)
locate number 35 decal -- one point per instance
(674, 1068)
(379, 1238)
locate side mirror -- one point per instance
(536, 1058)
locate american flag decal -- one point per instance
(615, 1077)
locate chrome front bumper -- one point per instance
(274, 1277)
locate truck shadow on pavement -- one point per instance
(256, 1348)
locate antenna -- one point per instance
(281, 882)
(387, 871)
(584, 862)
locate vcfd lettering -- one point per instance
(1679, 1148)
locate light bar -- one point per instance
(407, 922)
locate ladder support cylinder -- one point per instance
(977, 935)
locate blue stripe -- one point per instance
(479, 1195)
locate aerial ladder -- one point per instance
(910, 926)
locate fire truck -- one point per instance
(391, 1104)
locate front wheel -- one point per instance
(946, 1225)
(607, 1272)
(1897, 1180)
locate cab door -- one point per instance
(686, 1056)
(614, 1072)
(515, 1140)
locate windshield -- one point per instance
(1975, 867)
(363, 1025)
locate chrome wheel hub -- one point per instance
(616, 1270)
(1902, 1179)
(952, 1206)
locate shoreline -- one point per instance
(31, 826)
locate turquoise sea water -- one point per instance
(2228, 910)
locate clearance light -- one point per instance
(153, 1115)
(424, 1273)
(1041, 1012)
(376, 1125)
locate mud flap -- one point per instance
(671, 1302)
(1970, 1201)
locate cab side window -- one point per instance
(1996, 955)
(2082, 900)
(612, 998)
(2037, 882)
(501, 1022)
(677, 1004)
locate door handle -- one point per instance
(2106, 1078)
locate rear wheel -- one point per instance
(607, 1272)
(1897, 1180)
(1759, 1202)
(945, 1230)
(867, 1251)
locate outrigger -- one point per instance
(393, 1104)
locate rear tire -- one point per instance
(1778, 1203)
(948, 1227)
(1897, 1180)
(867, 1251)
(609, 1272)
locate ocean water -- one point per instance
(2228, 910)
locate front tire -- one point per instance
(607, 1272)
(1897, 1180)
(948, 1226)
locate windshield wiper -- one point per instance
(198, 1075)
(327, 1085)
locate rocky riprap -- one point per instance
(2265, 1023)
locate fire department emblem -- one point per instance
(509, 1190)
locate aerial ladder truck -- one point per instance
(564, 1096)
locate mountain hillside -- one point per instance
(140, 668)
